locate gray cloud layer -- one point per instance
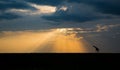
(78, 10)
(75, 11)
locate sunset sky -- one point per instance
(26, 25)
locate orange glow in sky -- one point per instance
(68, 44)
(42, 42)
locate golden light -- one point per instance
(69, 44)
(62, 30)
(50, 41)
(25, 41)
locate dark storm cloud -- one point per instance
(98, 9)
(77, 12)
(12, 4)
(61, 15)
(8, 16)
(46, 2)
(106, 6)
(103, 7)
(8, 4)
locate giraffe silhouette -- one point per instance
(97, 49)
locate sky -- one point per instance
(37, 14)
(94, 17)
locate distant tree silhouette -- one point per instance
(97, 49)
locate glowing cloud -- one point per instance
(44, 8)
(41, 9)
(63, 8)
(21, 11)
(101, 28)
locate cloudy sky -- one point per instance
(96, 17)
(39, 14)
